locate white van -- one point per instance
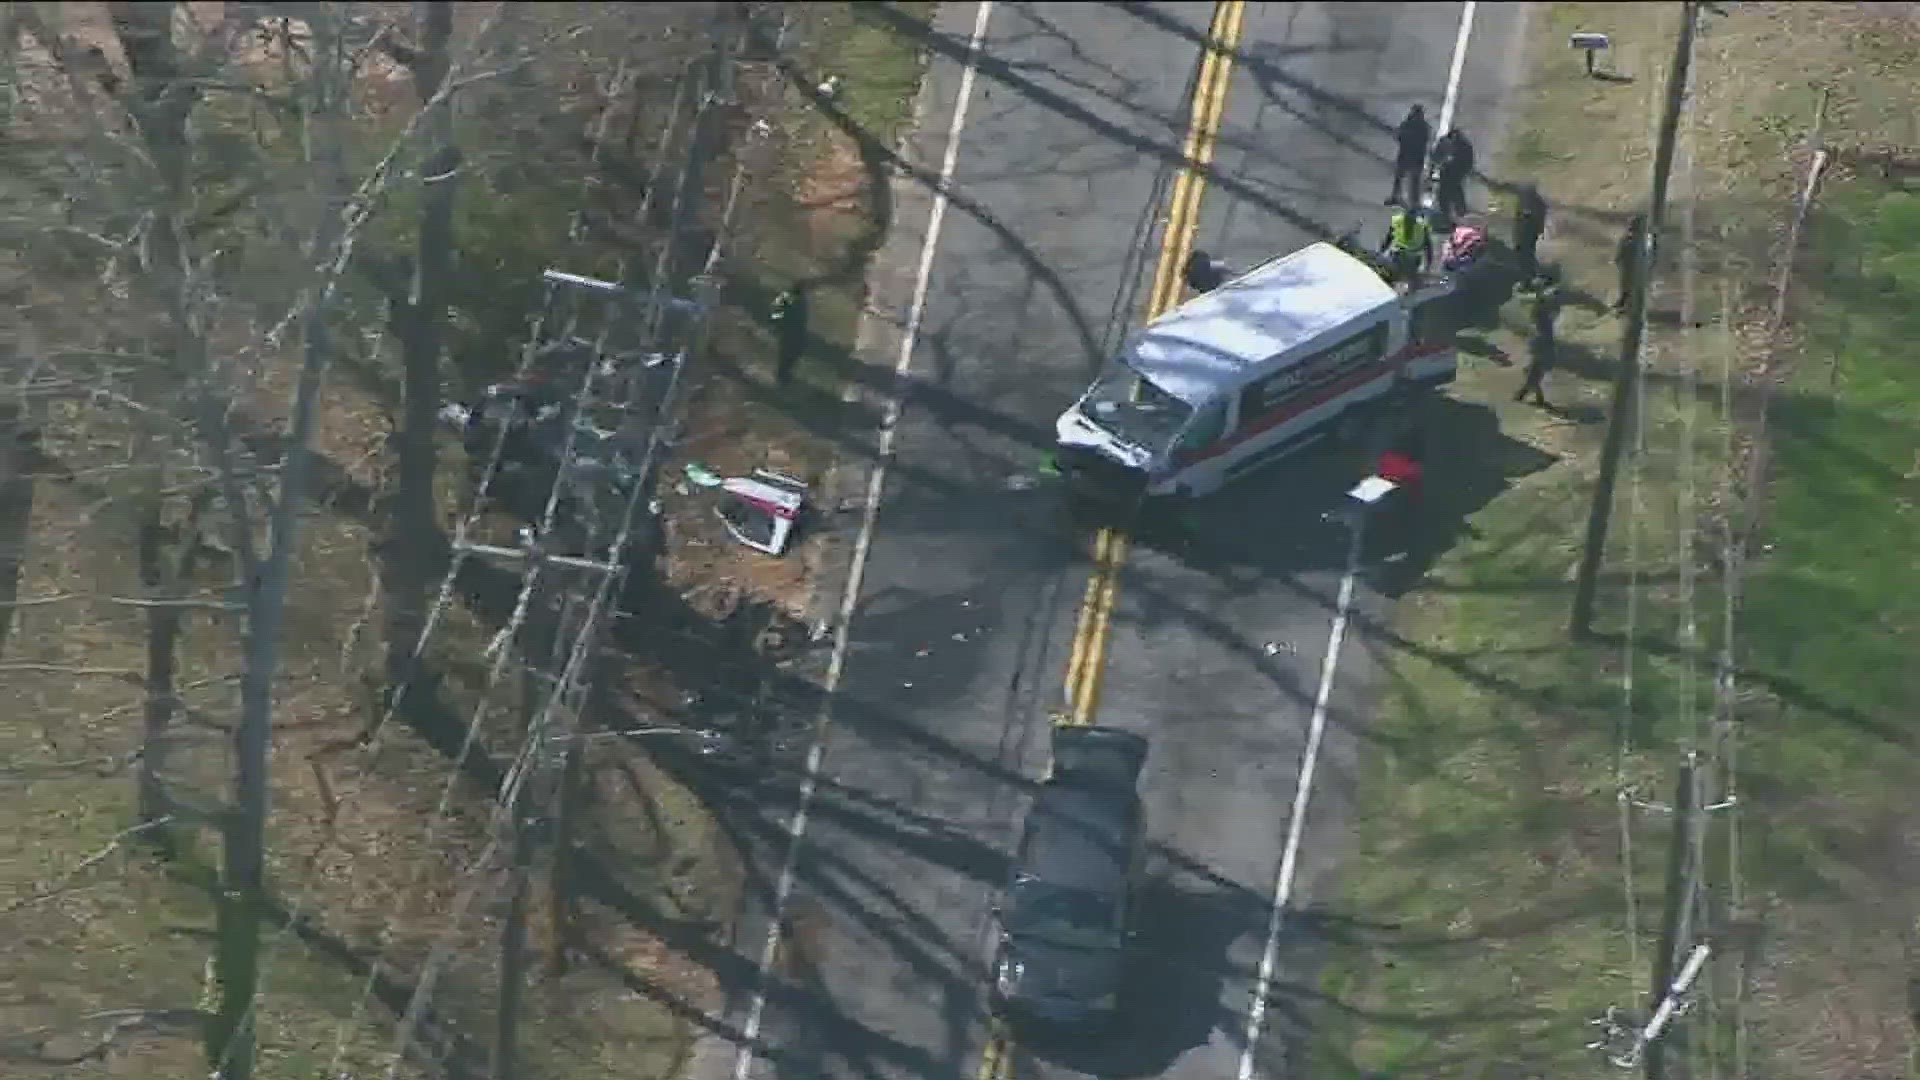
(1241, 376)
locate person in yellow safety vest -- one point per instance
(1408, 245)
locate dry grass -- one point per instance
(358, 843)
(1492, 918)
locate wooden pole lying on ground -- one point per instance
(1627, 373)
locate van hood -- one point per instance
(1075, 432)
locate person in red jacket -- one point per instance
(1401, 465)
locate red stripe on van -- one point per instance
(1319, 397)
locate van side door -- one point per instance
(1431, 317)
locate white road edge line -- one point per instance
(1459, 64)
(1317, 725)
(1303, 789)
(850, 595)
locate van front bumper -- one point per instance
(1096, 483)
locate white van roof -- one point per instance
(1207, 342)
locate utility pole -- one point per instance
(1630, 1043)
(554, 648)
(1673, 917)
(550, 691)
(607, 540)
(1627, 373)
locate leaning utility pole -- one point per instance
(1673, 916)
(1627, 373)
(555, 646)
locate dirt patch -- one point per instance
(837, 188)
(816, 221)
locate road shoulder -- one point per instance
(1516, 816)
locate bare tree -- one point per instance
(417, 313)
(166, 87)
(242, 904)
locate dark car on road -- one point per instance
(1063, 921)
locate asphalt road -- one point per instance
(958, 645)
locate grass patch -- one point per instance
(1495, 904)
(1828, 608)
(1833, 624)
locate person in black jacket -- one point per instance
(789, 318)
(1204, 273)
(1410, 158)
(1529, 222)
(1453, 163)
(1543, 345)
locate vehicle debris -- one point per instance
(701, 475)
(762, 511)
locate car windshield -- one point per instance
(1071, 918)
(1148, 417)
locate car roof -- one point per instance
(1080, 837)
(1205, 343)
(1098, 755)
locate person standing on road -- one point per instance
(1410, 158)
(790, 328)
(1204, 273)
(1529, 223)
(1626, 259)
(1543, 345)
(1453, 163)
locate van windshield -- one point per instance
(1149, 417)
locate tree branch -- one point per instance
(66, 882)
(70, 669)
(36, 601)
(95, 768)
(37, 1047)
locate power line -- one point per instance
(517, 771)
(1625, 780)
(462, 549)
(1700, 909)
(501, 652)
(1725, 722)
(586, 637)
(496, 669)
(1627, 371)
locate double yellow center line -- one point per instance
(1087, 660)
